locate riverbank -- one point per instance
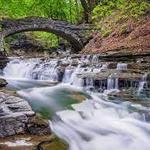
(32, 142)
(127, 37)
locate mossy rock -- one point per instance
(54, 144)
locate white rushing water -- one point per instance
(94, 124)
(142, 83)
(32, 69)
(99, 125)
(122, 66)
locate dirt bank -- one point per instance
(130, 36)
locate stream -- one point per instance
(91, 104)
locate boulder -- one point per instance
(3, 83)
(16, 115)
(38, 126)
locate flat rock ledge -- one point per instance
(14, 115)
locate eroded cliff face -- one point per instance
(129, 37)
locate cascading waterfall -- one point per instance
(74, 80)
(67, 75)
(32, 69)
(96, 123)
(112, 83)
(95, 59)
(121, 66)
(142, 83)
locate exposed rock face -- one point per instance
(38, 126)
(3, 83)
(16, 115)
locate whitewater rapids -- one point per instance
(100, 125)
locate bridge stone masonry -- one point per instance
(72, 33)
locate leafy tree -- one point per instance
(88, 6)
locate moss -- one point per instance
(108, 14)
(106, 33)
(55, 144)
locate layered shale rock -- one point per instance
(15, 116)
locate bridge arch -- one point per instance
(71, 33)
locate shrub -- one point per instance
(109, 12)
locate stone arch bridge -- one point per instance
(72, 33)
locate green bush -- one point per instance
(132, 8)
(109, 12)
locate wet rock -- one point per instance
(53, 144)
(3, 83)
(14, 115)
(114, 74)
(38, 126)
(3, 60)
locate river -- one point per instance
(79, 97)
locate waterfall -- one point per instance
(121, 66)
(67, 75)
(142, 83)
(74, 80)
(112, 83)
(89, 83)
(85, 59)
(95, 59)
(95, 123)
(32, 69)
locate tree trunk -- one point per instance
(85, 10)
(88, 6)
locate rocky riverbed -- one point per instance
(20, 126)
(17, 117)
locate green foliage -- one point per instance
(42, 37)
(64, 9)
(131, 8)
(109, 12)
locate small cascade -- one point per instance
(18, 68)
(36, 69)
(104, 67)
(67, 75)
(112, 83)
(89, 83)
(142, 83)
(85, 58)
(74, 80)
(122, 66)
(95, 59)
